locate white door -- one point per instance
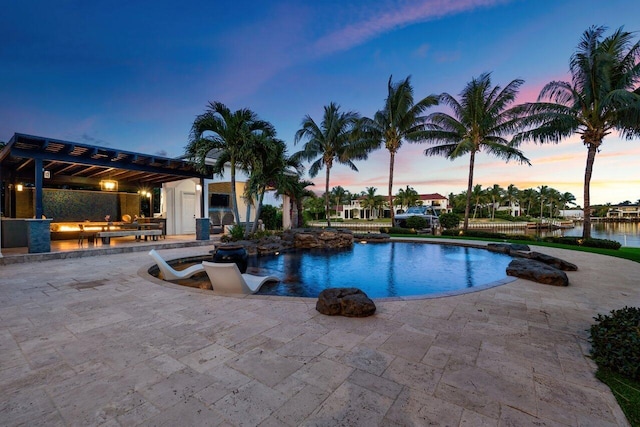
(188, 213)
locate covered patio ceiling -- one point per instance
(67, 163)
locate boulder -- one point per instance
(371, 237)
(558, 263)
(507, 248)
(350, 302)
(537, 271)
(322, 238)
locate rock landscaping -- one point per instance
(349, 302)
(537, 271)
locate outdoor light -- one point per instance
(198, 187)
(108, 185)
(19, 187)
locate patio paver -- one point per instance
(91, 341)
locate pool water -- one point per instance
(395, 269)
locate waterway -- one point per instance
(627, 233)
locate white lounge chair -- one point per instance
(227, 279)
(170, 273)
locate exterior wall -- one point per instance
(513, 209)
(176, 206)
(222, 185)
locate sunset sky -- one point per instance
(134, 74)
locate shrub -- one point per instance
(615, 341)
(269, 215)
(449, 220)
(505, 215)
(591, 243)
(563, 240)
(236, 232)
(416, 222)
(601, 243)
(397, 230)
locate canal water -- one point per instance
(627, 233)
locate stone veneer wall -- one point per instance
(78, 205)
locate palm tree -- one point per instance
(495, 193)
(292, 186)
(400, 120)
(528, 196)
(228, 133)
(340, 196)
(480, 121)
(567, 199)
(406, 197)
(543, 192)
(268, 166)
(511, 196)
(372, 201)
(331, 141)
(479, 196)
(554, 200)
(602, 97)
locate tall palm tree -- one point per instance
(603, 96)
(481, 120)
(331, 141)
(400, 120)
(219, 129)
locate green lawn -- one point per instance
(626, 391)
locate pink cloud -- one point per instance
(397, 16)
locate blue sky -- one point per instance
(133, 75)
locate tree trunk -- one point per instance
(392, 158)
(469, 186)
(258, 211)
(246, 221)
(234, 196)
(591, 157)
(326, 196)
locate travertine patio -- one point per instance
(92, 341)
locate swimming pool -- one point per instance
(395, 269)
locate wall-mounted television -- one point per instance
(219, 200)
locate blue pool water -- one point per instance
(381, 270)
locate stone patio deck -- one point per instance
(92, 341)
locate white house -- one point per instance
(437, 201)
(512, 207)
(355, 210)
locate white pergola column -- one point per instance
(286, 212)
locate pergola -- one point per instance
(41, 162)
